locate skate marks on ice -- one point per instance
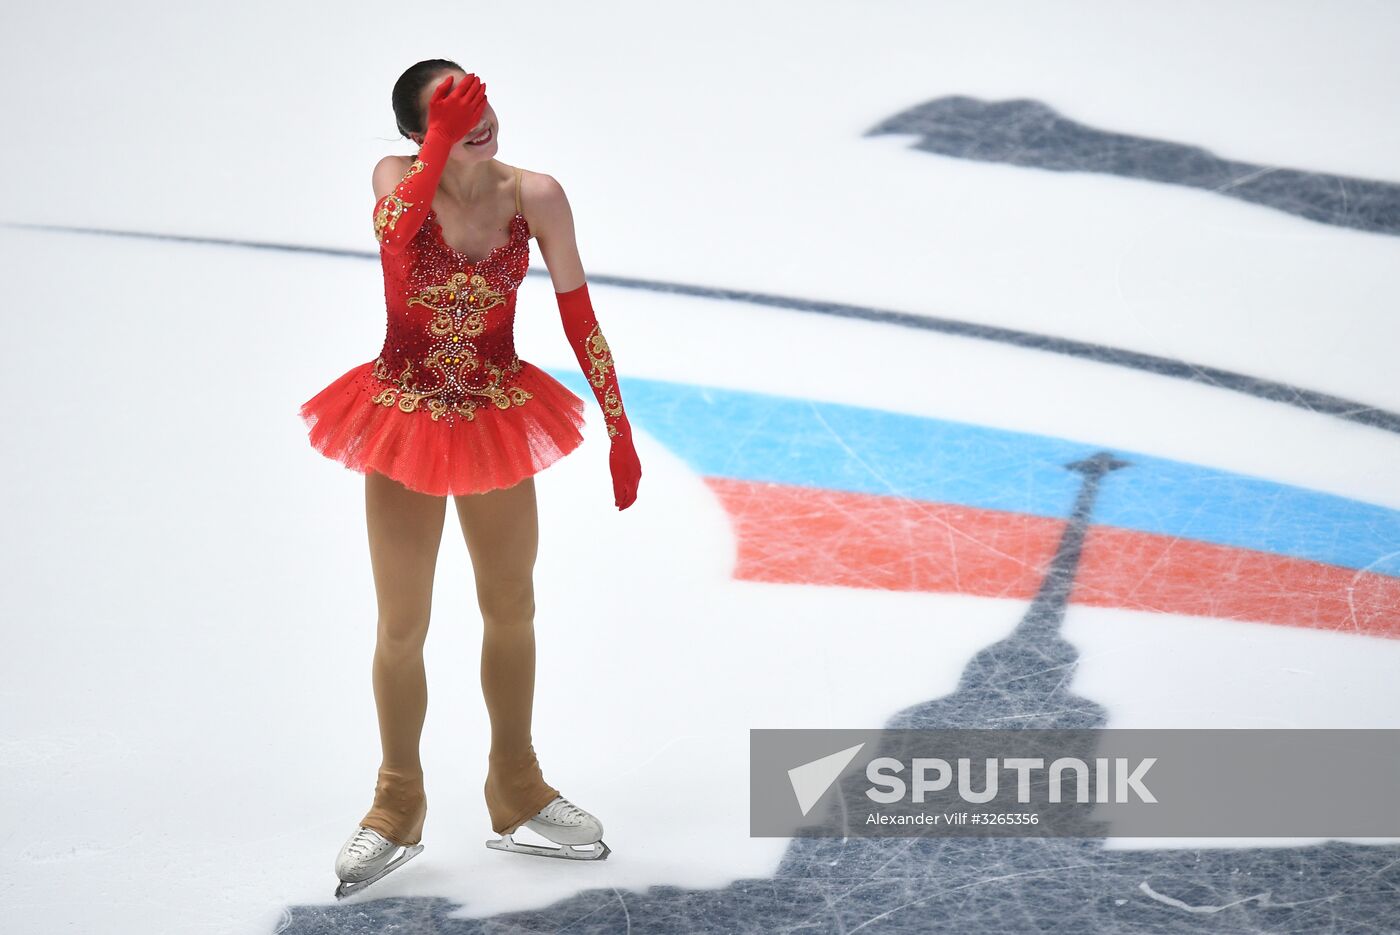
(827, 494)
(968, 885)
(1028, 133)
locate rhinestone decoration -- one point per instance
(449, 344)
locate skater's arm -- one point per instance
(552, 220)
(404, 194)
(554, 231)
(394, 224)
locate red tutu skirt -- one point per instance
(496, 448)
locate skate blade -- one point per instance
(596, 851)
(350, 889)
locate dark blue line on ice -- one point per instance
(1273, 391)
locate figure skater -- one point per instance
(449, 409)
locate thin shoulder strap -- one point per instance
(517, 189)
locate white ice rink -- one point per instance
(803, 206)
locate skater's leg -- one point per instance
(405, 530)
(501, 528)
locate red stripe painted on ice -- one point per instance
(802, 535)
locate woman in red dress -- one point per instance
(449, 409)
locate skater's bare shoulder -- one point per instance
(388, 173)
(551, 219)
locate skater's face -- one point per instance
(465, 150)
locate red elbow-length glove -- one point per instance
(595, 358)
(452, 113)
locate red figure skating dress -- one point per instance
(448, 407)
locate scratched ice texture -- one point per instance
(920, 884)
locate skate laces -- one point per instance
(561, 809)
(364, 843)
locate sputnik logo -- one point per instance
(811, 780)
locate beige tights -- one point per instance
(502, 535)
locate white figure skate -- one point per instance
(567, 825)
(368, 856)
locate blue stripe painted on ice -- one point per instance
(783, 440)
